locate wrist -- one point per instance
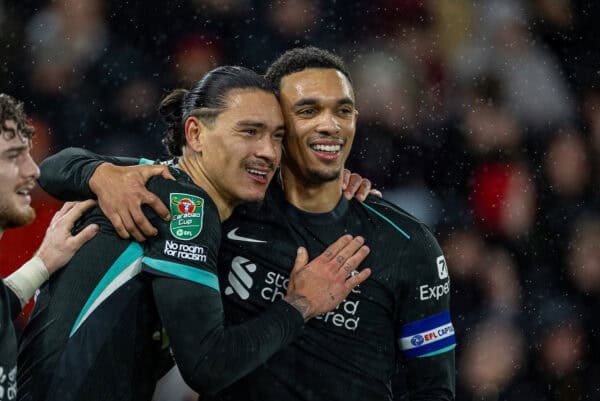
(27, 279)
(93, 184)
(301, 304)
(46, 261)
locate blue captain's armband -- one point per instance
(430, 336)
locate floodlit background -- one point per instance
(480, 117)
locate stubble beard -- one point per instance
(322, 177)
(12, 216)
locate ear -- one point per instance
(355, 116)
(195, 131)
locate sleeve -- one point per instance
(425, 331)
(66, 174)
(182, 261)
(13, 305)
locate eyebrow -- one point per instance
(313, 100)
(257, 125)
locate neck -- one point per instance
(310, 197)
(192, 166)
(1, 232)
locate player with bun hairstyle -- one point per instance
(111, 331)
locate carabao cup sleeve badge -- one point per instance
(187, 212)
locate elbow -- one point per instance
(204, 378)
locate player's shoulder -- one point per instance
(181, 193)
(395, 218)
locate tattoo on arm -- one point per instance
(300, 303)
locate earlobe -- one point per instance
(194, 133)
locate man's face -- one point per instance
(18, 173)
(318, 105)
(242, 149)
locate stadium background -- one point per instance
(480, 117)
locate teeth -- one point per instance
(252, 171)
(23, 192)
(327, 148)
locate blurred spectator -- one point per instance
(65, 38)
(480, 117)
(503, 199)
(531, 78)
(195, 55)
(493, 355)
(584, 261)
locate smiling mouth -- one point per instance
(326, 148)
(25, 191)
(257, 173)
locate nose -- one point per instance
(328, 123)
(269, 149)
(30, 169)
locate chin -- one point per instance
(252, 197)
(322, 176)
(19, 217)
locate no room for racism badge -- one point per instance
(187, 212)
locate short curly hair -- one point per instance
(12, 110)
(301, 58)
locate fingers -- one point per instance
(156, 204)
(345, 179)
(376, 193)
(363, 190)
(357, 279)
(142, 223)
(301, 259)
(354, 261)
(166, 174)
(149, 170)
(349, 250)
(354, 182)
(130, 226)
(85, 235)
(335, 248)
(75, 210)
(117, 223)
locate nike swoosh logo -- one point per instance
(233, 236)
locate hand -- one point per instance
(320, 286)
(122, 191)
(59, 245)
(354, 185)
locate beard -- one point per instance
(322, 177)
(12, 216)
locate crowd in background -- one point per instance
(482, 118)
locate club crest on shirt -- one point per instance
(187, 212)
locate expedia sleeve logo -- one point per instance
(187, 212)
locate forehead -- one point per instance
(318, 83)
(252, 103)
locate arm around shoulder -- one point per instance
(66, 174)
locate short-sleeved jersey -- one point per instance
(9, 306)
(399, 315)
(95, 332)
